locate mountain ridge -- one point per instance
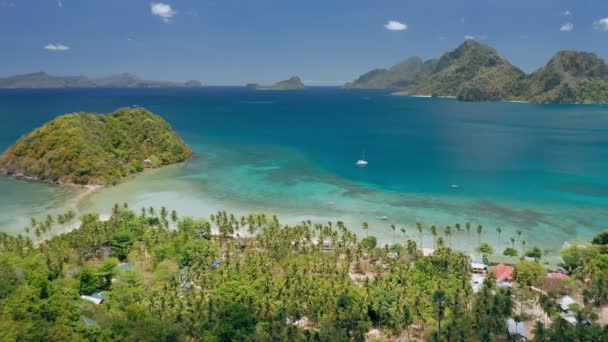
(476, 72)
(42, 79)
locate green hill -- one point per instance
(476, 72)
(86, 148)
(571, 77)
(397, 77)
(472, 72)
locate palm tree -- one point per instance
(440, 302)
(512, 239)
(518, 232)
(434, 233)
(523, 247)
(499, 231)
(393, 228)
(420, 227)
(448, 234)
(411, 248)
(365, 227)
(479, 231)
(440, 242)
(403, 232)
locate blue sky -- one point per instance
(229, 42)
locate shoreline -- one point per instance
(99, 199)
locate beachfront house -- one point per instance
(504, 273)
(517, 330)
(477, 264)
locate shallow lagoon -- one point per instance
(539, 168)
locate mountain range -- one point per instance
(123, 80)
(476, 72)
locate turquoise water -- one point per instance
(539, 168)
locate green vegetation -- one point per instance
(165, 278)
(294, 83)
(398, 77)
(475, 72)
(84, 148)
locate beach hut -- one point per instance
(504, 272)
(517, 330)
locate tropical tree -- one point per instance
(448, 234)
(365, 227)
(420, 228)
(440, 302)
(434, 233)
(499, 231)
(479, 231)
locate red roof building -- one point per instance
(557, 275)
(504, 272)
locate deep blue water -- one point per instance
(524, 151)
(549, 156)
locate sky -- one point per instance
(325, 42)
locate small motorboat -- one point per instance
(455, 186)
(383, 218)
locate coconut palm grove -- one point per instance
(153, 275)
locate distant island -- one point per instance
(123, 80)
(86, 148)
(294, 83)
(476, 72)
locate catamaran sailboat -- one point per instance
(362, 162)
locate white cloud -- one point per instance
(394, 25)
(567, 13)
(59, 3)
(469, 37)
(601, 24)
(162, 10)
(567, 27)
(57, 47)
(7, 4)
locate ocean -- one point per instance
(539, 168)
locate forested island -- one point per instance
(87, 148)
(294, 83)
(476, 72)
(151, 275)
(123, 80)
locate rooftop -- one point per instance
(504, 272)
